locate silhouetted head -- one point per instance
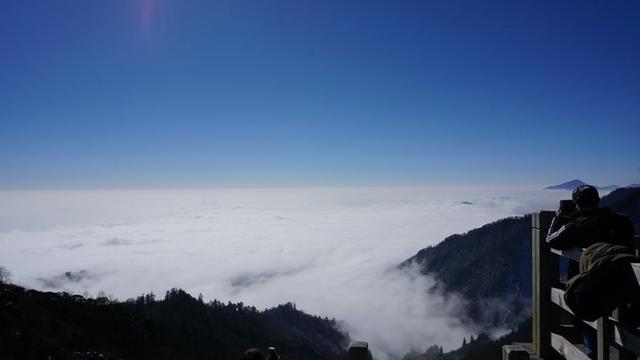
(586, 197)
(252, 354)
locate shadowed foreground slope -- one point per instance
(35, 325)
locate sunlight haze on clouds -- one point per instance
(331, 251)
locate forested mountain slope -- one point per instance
(41, 325)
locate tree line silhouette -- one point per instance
(42, 325)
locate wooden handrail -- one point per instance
(573, 254)
(546, 342)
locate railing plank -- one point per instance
(626, 339)
(566, 348)
(622, 337)
(573, 254)
(557, 297)
(636, 271)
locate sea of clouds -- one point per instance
(332, 251)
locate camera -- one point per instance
(567, 207)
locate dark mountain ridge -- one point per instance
(625, 201)
(41, 325)
(488, 267)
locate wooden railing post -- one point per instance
(545, 274)
(603, 338)
(359, 350)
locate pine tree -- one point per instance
(5, 275)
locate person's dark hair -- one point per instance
(586, 196)
(252, 354)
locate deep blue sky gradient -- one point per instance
(168, 93)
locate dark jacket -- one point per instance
(587, 227)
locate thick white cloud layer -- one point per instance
(331, 251)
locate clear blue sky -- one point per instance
(177, 93)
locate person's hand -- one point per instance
(558, 213)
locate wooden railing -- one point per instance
(359, 350)
(614, 338)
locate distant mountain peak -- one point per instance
(570, 185)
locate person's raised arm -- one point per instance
(561, 233)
